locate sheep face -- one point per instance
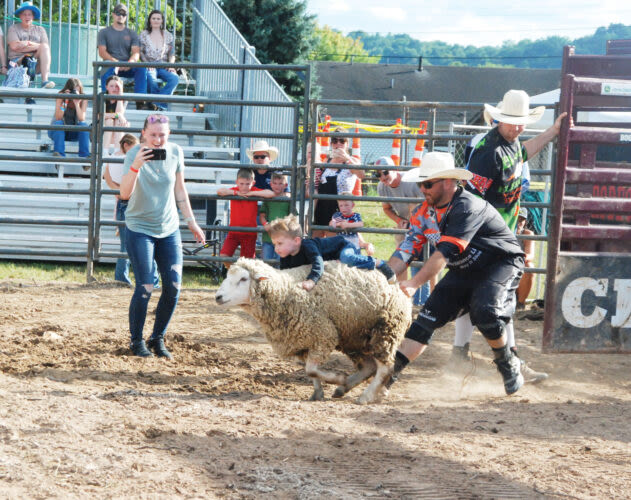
(235, 289)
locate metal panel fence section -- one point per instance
(219, 42)
(454, 139)
(72, 33)
(289, 134)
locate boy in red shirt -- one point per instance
(242, 214)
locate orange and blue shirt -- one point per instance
(469, 233)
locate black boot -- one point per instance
(400, 362)
(140, 349)
(509, 367)
(158, 347)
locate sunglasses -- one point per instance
(260, 157)
(383, 172)
(157, 119)
(120, 13)
(338, 140)
(429, 184)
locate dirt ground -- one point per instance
(81, 418)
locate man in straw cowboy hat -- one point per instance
(482, 254)
(498, 164)
(261, 153)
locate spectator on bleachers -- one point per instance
(118, 43)
(158, 45)
(27, 40)
(114, 114)
(3, 55)
(70, 112)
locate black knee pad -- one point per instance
(419, 333)
(492, 331)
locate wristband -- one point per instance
(133, 169)
(188, 220)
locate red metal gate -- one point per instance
(588, 283)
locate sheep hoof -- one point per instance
(363, 400)
(339, 391)
(318, 395)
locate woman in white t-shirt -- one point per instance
(113, 173)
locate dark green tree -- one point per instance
(281, 31)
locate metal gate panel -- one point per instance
(588, 282)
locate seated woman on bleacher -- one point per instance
(70, 112)
(114, 114)
(26, 39)
(158, 45)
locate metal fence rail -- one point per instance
(454, 140)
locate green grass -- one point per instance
(373, 216)
(194, 277)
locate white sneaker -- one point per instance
(49, 85)
(531, 376)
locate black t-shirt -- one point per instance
(496, 165)
(315, 251)
(473, 234)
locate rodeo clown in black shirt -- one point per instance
(484, 259)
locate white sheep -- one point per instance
(354, 311)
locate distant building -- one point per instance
(381, 82)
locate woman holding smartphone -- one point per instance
(155, 190)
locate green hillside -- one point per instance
(541, 53)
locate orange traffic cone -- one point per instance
(396, 145)
(357, 189)
(420, 145)
(326, 141)
(356, 143)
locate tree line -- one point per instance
(541, 53)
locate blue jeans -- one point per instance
(268, 252)
(352, 257)
(167, 252)
(170, 82)
(138, 74)
(121, 273)
(422, 294)
(59, 138)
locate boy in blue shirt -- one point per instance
(295, 251)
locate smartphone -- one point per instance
(159, 154)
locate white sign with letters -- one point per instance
(617, 88)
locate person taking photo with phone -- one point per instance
(155, 189)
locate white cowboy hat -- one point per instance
(487, 117)
(436, 165)
(262, 146)
(514, 109)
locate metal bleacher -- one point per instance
(18, 240)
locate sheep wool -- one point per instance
(353, 310)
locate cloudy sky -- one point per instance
(469, 22)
